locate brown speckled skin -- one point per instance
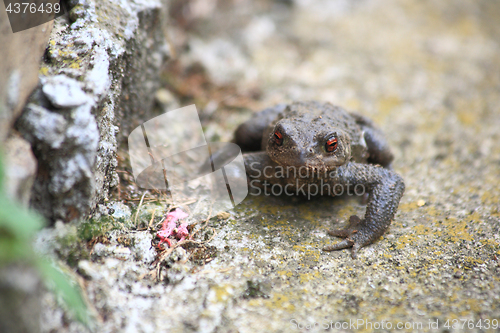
(362, 157)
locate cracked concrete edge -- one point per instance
(21, 54)
(100, 71)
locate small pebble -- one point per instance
(223, 215)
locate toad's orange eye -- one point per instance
(278, 138)
(331, 144)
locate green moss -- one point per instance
(94, 228)
(72, 248)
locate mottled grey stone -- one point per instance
(63, 92)
(20, 301)
(97, 80)
(20, 55)
(20, 168)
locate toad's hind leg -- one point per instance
(385, 188)
(249, 134)
(378, 148)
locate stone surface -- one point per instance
(20, 305)
(21, 54)
(427, 73)
(98, 79)
(20, 168)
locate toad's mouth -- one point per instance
(309, 161)
(308, 169)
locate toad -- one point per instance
(316, 147)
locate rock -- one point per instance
(100, 70)
(143, 249)
(63, 92)
(175, 274)
(89, 270)
(122, 253)
(65, 145)
(21, 54)
(120, 211)
(20, 304)
(167, 99)
(223, 215)
(20, 168)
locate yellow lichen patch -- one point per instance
(306, 251)
(273, 209)
(278, 302)
(469, 111)
(489, 198)
(221, 293)
(392, 311)
(256, 302)
(472, 305)
(436, 262)
(411, 239)
(387, 104)
(432, 126)
(408, 206)
(64, 53)
(306, 277)
(456, 230)
(311, 216)
(285, 274)
(470, 262)
(467, 27)
(432, 211)
(352, 104)
(466, 118)
(423, 230)
(490, 244)
(475, 217)
(346, 212)
(44, 70)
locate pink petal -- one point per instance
(182, 232)
(168, 227)
(176, 214)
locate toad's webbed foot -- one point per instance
(352, 239)
(354, 222)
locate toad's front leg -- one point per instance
(385, 188)
(261, 170)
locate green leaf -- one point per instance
(17, 221)
(17, 228)
(68, 291)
